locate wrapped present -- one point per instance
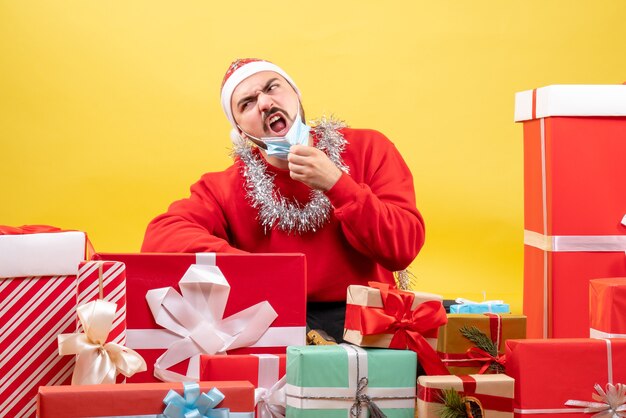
(470, 307)
(474, 343)
(238, 303)
(607, 304)
(573, 135)
(380, 316)
(492, 395)
(38, 267)
(346, 380)
(216, 399)
(265, 371)
(550, 372)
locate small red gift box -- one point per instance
(550, 372)
(277, 279)
(574, 200)
(264, 371)
(380, 316)
(133, 399)
(607, 304)
(38, 266)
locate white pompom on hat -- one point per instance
(238, 71)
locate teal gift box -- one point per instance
(344, 381)
(465, 306)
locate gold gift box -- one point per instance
(452, 345)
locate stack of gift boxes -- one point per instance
(221, 335)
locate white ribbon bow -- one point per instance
(96, 361)
(609, 404)
(271, 402)
(196, 318)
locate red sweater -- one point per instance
(374, 229)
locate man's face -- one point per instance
(264, 104)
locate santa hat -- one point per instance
(238, 71)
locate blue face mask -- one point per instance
(278, 146)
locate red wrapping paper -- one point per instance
(550, 372)
(277, 278)
(130, 399)
(573, 186)
(242, 367)
(236, 367)
(607, 305)
(33, 311)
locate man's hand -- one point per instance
(312, 167)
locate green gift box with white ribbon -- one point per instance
(346, 381)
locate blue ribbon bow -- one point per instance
(194, 404)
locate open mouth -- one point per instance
(277, 123)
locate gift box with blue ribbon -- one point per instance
(148, 400)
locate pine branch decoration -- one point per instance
(453, 404)
(482, 341)
(457, 406)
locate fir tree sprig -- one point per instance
(457, 406)
(482, 341)
(453, 404)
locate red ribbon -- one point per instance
(407, 326)
(495, 326)
(27, 229)
(486, 359)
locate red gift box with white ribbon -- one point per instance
(607, 305)
(574, 200)
(554, 377)
(265, 371)
(38, 267)
(183, 305)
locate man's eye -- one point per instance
(273, 86)
(246, 105)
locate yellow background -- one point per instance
(109, 110)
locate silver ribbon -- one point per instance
(609, 403)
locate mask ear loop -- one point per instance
(257, 141)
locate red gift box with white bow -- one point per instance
(183, 305)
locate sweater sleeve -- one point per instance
(378, 214)
(195, 224)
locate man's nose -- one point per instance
(265, 102)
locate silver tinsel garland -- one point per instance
(277, 211)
